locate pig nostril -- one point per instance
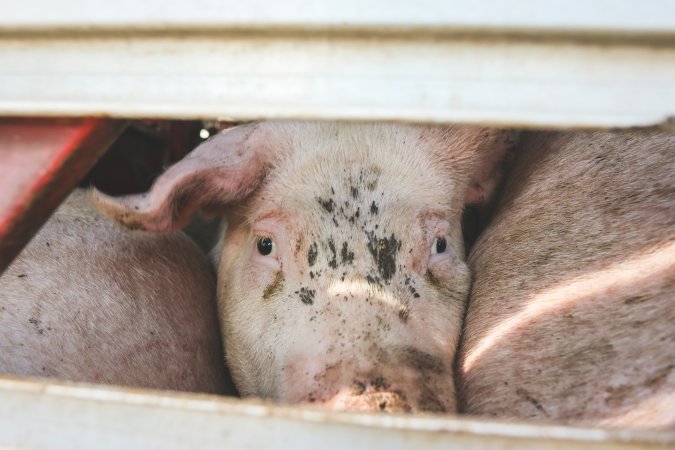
(358, 388)
(388, 402)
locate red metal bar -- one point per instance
(41, 161)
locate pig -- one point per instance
(89, 301)
(571, 316)
(341, 275)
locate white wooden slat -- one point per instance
(245, 76)
(35, 415)
(509, 62)
(623, 16)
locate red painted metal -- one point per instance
(41, 161)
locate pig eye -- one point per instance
(265, 245)
(439, 246)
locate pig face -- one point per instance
(341, 277)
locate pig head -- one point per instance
(341, 277)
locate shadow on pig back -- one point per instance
(571, 313)
(89, 301)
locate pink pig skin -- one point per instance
(572, 312)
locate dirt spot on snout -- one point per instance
(401, 379)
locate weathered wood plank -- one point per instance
(66, 416)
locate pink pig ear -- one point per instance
(224, 169)
(494, 154)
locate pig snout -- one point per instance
(370, 362)
(390, 390)
(355, 399)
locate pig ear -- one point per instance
(495, 152)
(224, 169)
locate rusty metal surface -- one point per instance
(41, 160)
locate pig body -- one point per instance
(341, 276)
(89, 301)
(572, 311)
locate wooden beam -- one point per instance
(539, 63)
(57, 415)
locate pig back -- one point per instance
(89, 301)
(572, 311)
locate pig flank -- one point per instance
(572, 313)
(89, 301)
(340, 310)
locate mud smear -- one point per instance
(525, 395)
(346, 255)
(332, 262)
(274, 287)
(384, 252)
(312, 254)
(422, 361)
(328, 205)
(307, 295)
(404, 314)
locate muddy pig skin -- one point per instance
(341, 277)
(90, 301)
(572, 312)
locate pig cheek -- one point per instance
(310, 348)
(441, 306)
(434, 329)
(251, 338)
(304, 380)
(448, 274)
(250, 322)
